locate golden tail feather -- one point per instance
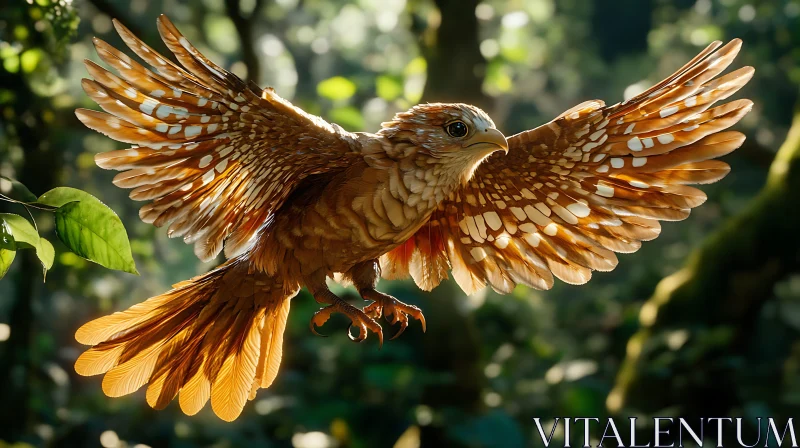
(218, 336)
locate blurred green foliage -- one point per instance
(489, 363)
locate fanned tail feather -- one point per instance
(218, 336)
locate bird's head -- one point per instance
(458, 137)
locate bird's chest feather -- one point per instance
(357, 215)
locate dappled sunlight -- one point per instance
(622, 345)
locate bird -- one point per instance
(292, 200)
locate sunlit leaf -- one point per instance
(11, 64)
(47, 253)
(388, 87)
(349, 118)
(30, 59)
(498, 79)
(6, 258)
(16, 190)
(72, 260)
(541, 10)
(26, 236)
(8, 248)
(417, 66)
(21, 32)
(7, 51)
(22, 229)
(337, 88)
(414, 88)
(514, 53)
(219, 29)
(414, 85)
(90, 229)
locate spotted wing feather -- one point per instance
(213, 154)
(594, 181)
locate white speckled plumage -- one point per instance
(295, 200)
(640, 155)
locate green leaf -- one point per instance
(18, 191)
(26, 236)
(8, 248)
(219, 29)
(22, 229)
(30, 59)
(417, 66)
(90, 229)
(40, 206)
(348, 117)
(337, 88)
(47, 253)
(388, 87)
(6, 237)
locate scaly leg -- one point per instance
(365, 277)
(358, 318)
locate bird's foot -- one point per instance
(358, 319)
(386, 306)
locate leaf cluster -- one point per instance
(86, 227)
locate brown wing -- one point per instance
(593, 182)
(214, 155)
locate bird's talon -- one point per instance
(358, 319)
(361, 336)
(393, 310)
(403, 327)
(374, 310)
(380, 339)
(314, 330)
(318, 320)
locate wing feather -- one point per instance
(594, 181)
(214, 155)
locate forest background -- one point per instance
(703, 321)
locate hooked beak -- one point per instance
(487, 139)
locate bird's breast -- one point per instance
(359, 215)
(386, 210)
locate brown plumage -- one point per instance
(295, 200)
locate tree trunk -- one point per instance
(455, 64)
(244, 29)
(455, 74)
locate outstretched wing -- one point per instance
(215, 155)
(593, 182)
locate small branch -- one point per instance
(46, 208)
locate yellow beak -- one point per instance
(487, 139)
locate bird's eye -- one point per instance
(457, 129)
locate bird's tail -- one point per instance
(217, 336)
